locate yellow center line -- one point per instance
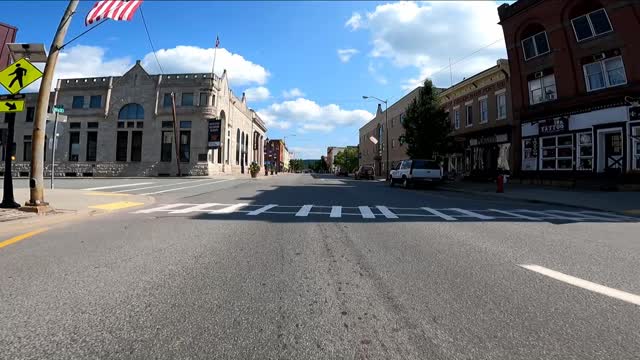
(14, 240)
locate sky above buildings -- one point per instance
(303, 65)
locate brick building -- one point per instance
(123, 126)
(573, 63)
(482, 124)
(276, 153)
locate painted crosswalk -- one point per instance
(382, 212)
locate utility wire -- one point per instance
(82, 33)
(150, 42)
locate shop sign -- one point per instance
(491, 139)
(634, 113)
(213, 138)
(553, 126)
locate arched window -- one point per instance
(589, 19)
(534, 41)
(238, 147)
(131, 112)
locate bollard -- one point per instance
(500, 184)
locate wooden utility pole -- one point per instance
(175, 131)
(36, 181)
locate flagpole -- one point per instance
(213, 67)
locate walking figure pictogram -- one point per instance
(19, 72)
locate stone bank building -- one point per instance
(123, 126)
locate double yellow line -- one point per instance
(14, 240)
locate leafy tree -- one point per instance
(296, 164)
(426, 124)
(347, 159)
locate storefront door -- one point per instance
(613, 153)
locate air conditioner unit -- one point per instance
(600, 56)
(538, 74)
(550, 96)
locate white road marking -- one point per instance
(438, 213)
(157, 186)
(160, 208)
(588, 285)
(304, 210)
(547, 215)
(261, 210)
(580, 216)
(473, 214)
(386, 212)
(609, 215)
(185, 187)
(229, 209)
(116, 186)
(520, 216)
(336, 212)
(366, 212)
(200, 207)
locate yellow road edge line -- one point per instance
(15, 239)
(116, 205)
(632, 212)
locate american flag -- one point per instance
(112, 9)
(217, 41)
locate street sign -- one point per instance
(52, 117)
(634, 113)
(58, 109)
(12, 103)
(19, 75)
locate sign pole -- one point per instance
(36, 182)
(53, 148)
(8, 202)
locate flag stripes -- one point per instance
(112, 9)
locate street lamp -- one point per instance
(386, 127)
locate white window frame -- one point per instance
(468, 105)
(605, 74)
(484, 116)
(456, 117)
(542, 88)
(557, 158)
(635, 154)
(578, 148)
(535, 46)
(501, 94)
(593, 30)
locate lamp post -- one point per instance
(386, 130)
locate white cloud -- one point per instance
(83, 61)
(375, 71)
(304, 152)
(354, 22)
(293, 93)
(309, 116)
(424, 35)
(193, 59)
(346, 54)
(259, 93)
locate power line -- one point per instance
(150, 42)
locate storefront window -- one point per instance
(557, 152)
(585, 151)
(636, 148)
(529, 154)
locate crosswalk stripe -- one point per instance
(513, 214)
(473, 214)
(386, 212)
(612, 215)
(229, 209)
(438, 213)
(261, 210)
(185, 187)
(366, 212)
(304, 210)
(157, 186)
(116, 186)
(194, 208)
(161, 208)
(547, 215)
(336, 212)
(578, 216)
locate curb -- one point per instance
(534, 201)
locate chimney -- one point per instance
(244, 98)
(137, 62)
(379, 109)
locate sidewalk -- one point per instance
(68, 205)
(627, 203)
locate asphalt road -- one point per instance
(303, 267)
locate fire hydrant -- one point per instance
(500, 184)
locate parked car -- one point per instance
(416, 171)
(342, 172)
(364, 172)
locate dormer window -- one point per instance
(591, 25)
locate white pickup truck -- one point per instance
(410, 172)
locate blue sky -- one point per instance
(304, 65)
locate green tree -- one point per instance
(426, 125)
(347, 159)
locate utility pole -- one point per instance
(36, 182)
(8, 201)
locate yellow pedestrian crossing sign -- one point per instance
(11, 103)
(19, 75)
